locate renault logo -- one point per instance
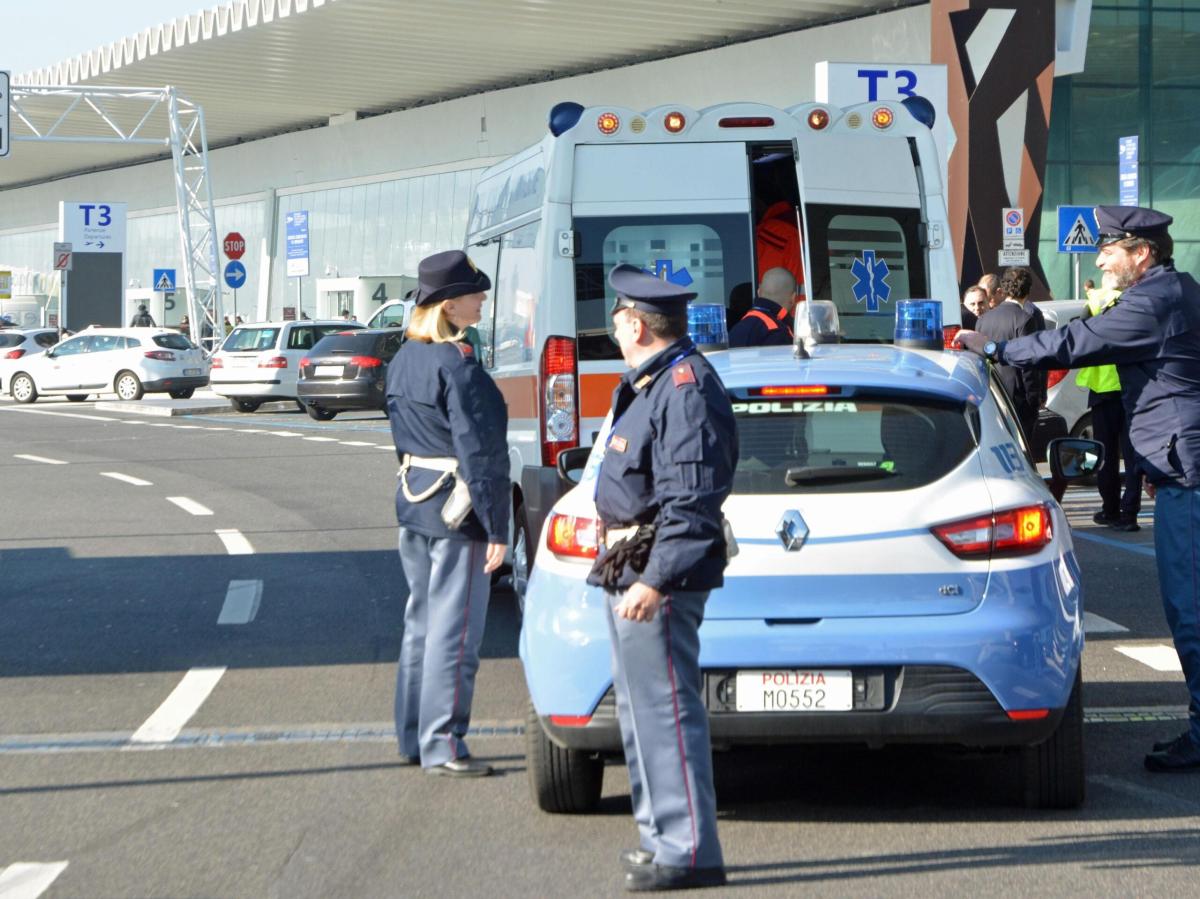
(792, 530)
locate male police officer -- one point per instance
(668, 467)
(1153, 337)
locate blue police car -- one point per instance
(904, 575)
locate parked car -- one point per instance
(904, 576)
(1063, 395)
(17, 344)
(126, 361)
(261, 362)
(347, 370)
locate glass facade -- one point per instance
(1142, 78)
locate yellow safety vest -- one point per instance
(1100, 378)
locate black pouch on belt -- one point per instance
(632, 551)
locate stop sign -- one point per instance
(235, 245)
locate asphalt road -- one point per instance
(158, 752)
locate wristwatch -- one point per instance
(989, 351)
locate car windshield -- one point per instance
(173, 341)
(852, 444)
(250, 340)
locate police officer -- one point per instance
(1153, 338)
(667, 469)
(449, 422)
(769, 320)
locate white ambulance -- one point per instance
(851, 200)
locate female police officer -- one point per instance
(449, 423)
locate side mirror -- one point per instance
(1073, 457)
(571, 463)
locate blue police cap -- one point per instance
(641, 290)
(1122, 222)
(444, 276)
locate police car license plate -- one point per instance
(330, 371)
(808, 690)
(187, 372)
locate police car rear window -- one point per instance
(856, 444)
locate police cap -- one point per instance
(444, 276)
(638, 289)
(1123, 222)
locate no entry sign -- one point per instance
(234, 245)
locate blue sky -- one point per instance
(43, 32)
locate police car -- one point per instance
(904, 575)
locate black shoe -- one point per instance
(636, 858)
(1182, 755)
(650, 878)
(1125, 524)
(463, 767)
(1103, 517)
(1164, 745)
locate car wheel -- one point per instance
(184, 393)
(22, 388)
(77, 397)
(244, 405)
(522, 558)
(128, 386)
(300, 406)
(562, 781)
(1052, 772)
(318, 414)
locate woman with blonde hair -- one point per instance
(449, 422)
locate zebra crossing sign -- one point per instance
(1077, 230)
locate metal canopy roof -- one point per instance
(262, 67)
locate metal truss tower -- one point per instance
(140, 115)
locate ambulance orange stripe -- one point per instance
(520, 393)
(597, 393)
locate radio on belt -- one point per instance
(919, 324)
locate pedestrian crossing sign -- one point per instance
(1077, 230)
(164, 280)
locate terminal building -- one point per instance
(376, 117)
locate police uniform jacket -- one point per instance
(753, 331)
(669, 462)
(1153, 337)
(441, 403)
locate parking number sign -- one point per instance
(4, 114)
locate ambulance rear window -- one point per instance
(855, 444)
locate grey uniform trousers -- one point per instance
(664, 728)
(439, 654)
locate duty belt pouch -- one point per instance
(458, 503)
(457, 506)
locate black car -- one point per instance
(347, 370)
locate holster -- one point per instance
(632, 552)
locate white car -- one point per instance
(126, 361)
(261, 362)
(17, 344)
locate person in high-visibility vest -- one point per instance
(769, 320)
(777, 241)
(1120, 506)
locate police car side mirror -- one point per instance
(571, 463)
(1073, 457)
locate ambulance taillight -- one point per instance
(559, 395)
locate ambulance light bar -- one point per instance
(674, 122)
(818, 119)
(608, 123)
(882, 118)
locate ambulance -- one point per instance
(849, 199)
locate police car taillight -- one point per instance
(559, 410)
(674, 122)
(608, 123)
(791, 390)
(1014, 532)
(746, 121)
(568, 535)
(948, 332)
(818, 119)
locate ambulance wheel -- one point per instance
(562, 781)
(1052, 772)
(244, 405)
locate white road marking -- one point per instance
(59, 414)
(1160, 657)
(235, 543)
(392, 448)
(42, 459)
(188, 427)
(215, 428)
(322, 439)
(178, 708)
(286, 433)
(251, 430)
(127, 478)
(28, 880)
(1097, 624)
(241, 602)
(356, 443)
(189, 505)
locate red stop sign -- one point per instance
(235, 245)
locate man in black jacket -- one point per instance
(1008, 320)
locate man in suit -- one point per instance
(1008, 320)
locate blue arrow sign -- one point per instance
(1077, 231)
(235, 274)
(871, 285)
(164, 280)
(665, 269)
